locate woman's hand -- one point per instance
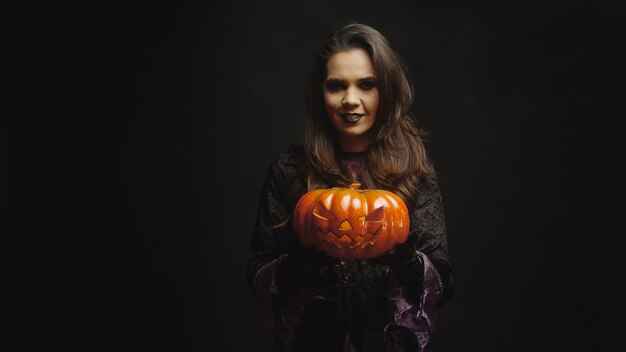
(408, 269)
(298, 265)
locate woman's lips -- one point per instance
(351, 118)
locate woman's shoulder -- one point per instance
(428, 184)
(288, 159)
(290, 155)
(427, 191)
(286, 162)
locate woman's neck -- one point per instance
(355, 144)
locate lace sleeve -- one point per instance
(428, 234)
(266, 245)
(269, 245)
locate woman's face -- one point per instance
(351, 98)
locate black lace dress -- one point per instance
(354, 305)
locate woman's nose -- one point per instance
(351, 98)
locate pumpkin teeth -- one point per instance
(370, 241)
(357, 242)
(333, 239)
(344, 241)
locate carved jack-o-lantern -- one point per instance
(350, 223)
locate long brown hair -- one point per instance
(396, 159)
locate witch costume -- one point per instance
(313, 302)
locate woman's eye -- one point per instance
(368, 85)
(334, 86)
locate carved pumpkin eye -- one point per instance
(376, 215)
(374, 220)
(322, 217)
(321, 212)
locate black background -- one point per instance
(138, 138)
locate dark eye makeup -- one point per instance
(367, 85)
(335, 85)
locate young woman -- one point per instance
(357, 130)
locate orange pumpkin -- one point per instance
(351, 223)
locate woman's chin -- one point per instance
(352, 139)
(352, 133)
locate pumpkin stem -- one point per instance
(355, 185)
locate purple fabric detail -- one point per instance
(353, 163)
(265, 287)
(347, 345)
(420, 319)
(291, 315)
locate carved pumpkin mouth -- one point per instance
(343, 240)
(347, 236)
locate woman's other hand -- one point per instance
(298, 265)
(407, 267)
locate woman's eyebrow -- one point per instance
(337, 79)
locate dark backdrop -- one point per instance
(140, 135)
